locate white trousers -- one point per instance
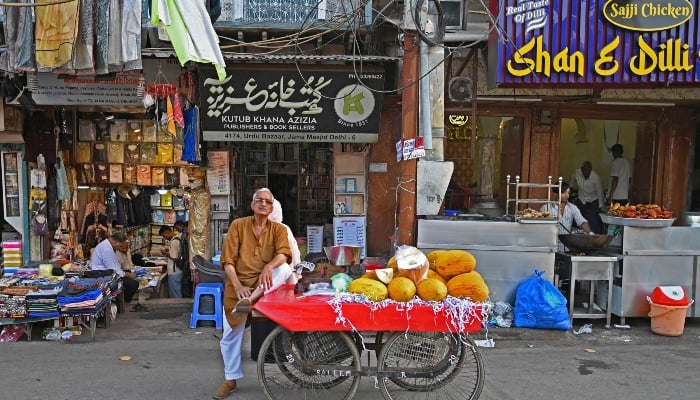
(232, 340)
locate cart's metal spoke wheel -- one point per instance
(438, 365)
(308, 365)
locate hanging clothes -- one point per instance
(190, 152)
(184, 21)
(101, 51)
(56, 30)
(19, 37)
(82, 62)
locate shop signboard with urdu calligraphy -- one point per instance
(309, 104)
(594, 43)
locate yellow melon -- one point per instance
(432, 289)
(401, 289)
(373, 289)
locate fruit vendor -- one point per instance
(256, 254)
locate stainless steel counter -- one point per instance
(506, 253)
(654, 257)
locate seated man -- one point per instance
(256, 254)
(104, 257)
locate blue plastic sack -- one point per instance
(539, 304)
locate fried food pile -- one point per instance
(644, 211)
(530, 213)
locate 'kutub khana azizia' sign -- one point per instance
(292, 105)
(591, 43)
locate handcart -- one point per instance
(423, 351)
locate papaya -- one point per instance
(432, 289)
(450, 263)
(468, 284)
(373, 289)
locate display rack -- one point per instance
(314, 185)
(517, 201)
(298, 173)
(350, 184)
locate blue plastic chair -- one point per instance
(212, 289)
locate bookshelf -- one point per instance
(299, 175)
(350, 184)
(314, 189)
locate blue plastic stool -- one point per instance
(212, 289)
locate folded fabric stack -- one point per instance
(81, 297)
(42, 302)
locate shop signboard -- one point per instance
(594, 43)
(119, 89)
(292, 104)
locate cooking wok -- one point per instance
(584, 242)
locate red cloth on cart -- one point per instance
(313, 313)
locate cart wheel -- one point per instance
(308, 365)
(443, 365)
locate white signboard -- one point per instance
(350, 231)
(68, 90)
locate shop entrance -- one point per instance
(592, 140)
(481, 161)
(284, 188)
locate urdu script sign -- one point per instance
(594, 43)
(290, 105)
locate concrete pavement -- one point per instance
(171, 361)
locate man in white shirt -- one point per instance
(620, 176)
(590, 195)
(104, 257)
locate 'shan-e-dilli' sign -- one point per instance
(591, 42)
(290, 105)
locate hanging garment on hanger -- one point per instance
(54, 41)
(189, 150)
(19, 37)
(188, 23)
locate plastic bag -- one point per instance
(539, 304)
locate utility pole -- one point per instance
(406, 207)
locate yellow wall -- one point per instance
(592, 144)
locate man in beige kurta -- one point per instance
(255, 247)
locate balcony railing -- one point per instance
(294, 13)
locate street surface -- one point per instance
(170, 361)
